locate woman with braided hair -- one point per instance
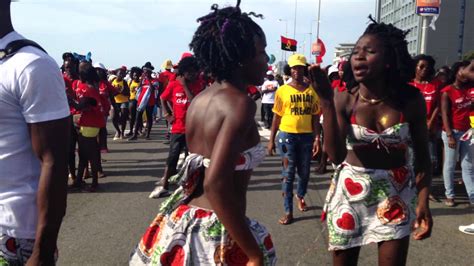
(204, 222)
(368, 128)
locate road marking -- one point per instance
(264, 133)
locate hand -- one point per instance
(35, 259)
(452, 142)
(316, 147)
(423, 223)
(429, 124)
(256, 261)
(170, 118)
(271, 148)
(320, 82)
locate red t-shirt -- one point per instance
(339, 85)
(164, 78)
(70, 93)
(105, 90)
(471, 96)
(460, 107)
(91, 116)
(175, 94)
(145, 86)
(431, 95)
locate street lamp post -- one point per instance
(310, 36)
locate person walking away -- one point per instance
(179, 94)
(296, 118)
(35, 119)
(269, 88)
(456, 106)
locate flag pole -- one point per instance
(294, 26)
(319, 18)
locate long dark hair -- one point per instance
(401, 65)
(454, 70)
(224, 38)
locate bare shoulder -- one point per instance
(343, 100)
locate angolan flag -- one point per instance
(288, 44)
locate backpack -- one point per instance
(15, 46)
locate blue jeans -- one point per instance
(466, 156)
(296, 152)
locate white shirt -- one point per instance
(269, 96)
(32, 90)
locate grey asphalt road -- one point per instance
(102, 228)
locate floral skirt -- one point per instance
(194, 236)
(366, 206)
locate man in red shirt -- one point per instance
(179, 94)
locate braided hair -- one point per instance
(401, 65)
(224, 38)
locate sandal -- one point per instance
(301, 204)
(285, 220)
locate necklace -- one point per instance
(372, 101)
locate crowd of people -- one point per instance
(385, 120)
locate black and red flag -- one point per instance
(288, 44)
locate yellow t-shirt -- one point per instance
(133, 85)
(296, 108)
(119, 98)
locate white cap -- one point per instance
(332, 69)
(99, 65)
(269, 72)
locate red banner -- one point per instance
(319, 50)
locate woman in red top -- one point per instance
(423, 81)
(90, 122)
(455, 109)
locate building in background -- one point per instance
(344, 50)
(454, 34)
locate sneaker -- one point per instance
(117, 136)
(467, 229)
(449, 202)
(158, 192)
(134, 137)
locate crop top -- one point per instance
(247, 160)
(191, 175)
(395, 137)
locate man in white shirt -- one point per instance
(268, 98)
(34, 135)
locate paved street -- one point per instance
(102, 228)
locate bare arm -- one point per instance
(419, 135)
(333, 110)
(447, 123)
(219, 182)
(273, 130)
(50, 144)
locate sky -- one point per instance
(130, 33)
